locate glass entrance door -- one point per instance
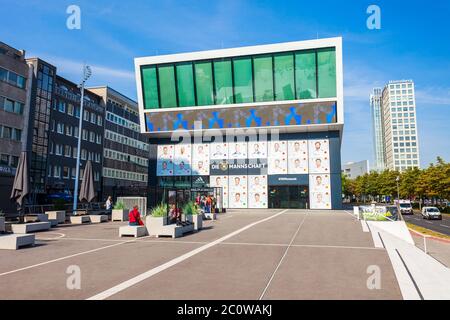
(288, 197)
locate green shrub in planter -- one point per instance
(119, 206)
(190, 209)
(159, 211)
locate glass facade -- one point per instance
(308, 74)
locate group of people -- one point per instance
(206, 203)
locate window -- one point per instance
(75, 132)
(58, 149)
(9, 105)
(204, 83)
(223, 80)
(326, 65)
(68, 130)
(263, 73)
(70, 109)
(185, 84)
(75, 152)
(85, 134)
(86, 115)
(99, 121)
(4, 159)
(83, 154)
(91, 136)
(167, 87)
(67, 151)
(57, 172)
(93, 118)
(305, 75)
(150, 87)
(243, 80)
(7, 133)
(99, 139)
(60, 128)
(66, 172)
(62, 106)
(284, 77)
(14, 161)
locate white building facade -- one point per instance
(400, 134)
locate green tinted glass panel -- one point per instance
(305, 75)
(243, 80)
(204, 83)
(326, 64)
(150, 87)
(284, 76)
(224, 82)
(167, 88)
(263, 71)
(185, 83)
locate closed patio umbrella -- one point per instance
(87, 191)
(21, 187)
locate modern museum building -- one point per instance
(261, 124)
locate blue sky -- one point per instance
(412, 44)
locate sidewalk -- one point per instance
(439, 250)
(419, 275)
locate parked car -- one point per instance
(431, 213)
(406, 207)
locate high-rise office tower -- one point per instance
(377, 128)
(400, 137)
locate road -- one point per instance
(442, 226)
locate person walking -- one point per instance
(109, 204)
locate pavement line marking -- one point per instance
(364, 226)
(443, 225)
(150, 273)
(282, 258)
(60, 236)
(297, 245)
(64, 258)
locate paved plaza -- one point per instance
(245, 254)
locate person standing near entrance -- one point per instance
(109, 203)
(208, 204)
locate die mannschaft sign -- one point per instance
(239, 167)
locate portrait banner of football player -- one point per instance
(320, 200)
(319, 165)
(298, 157)
(257, 192)
(200, 160)
(319, 183)
(319, 148)
(237, 186)
(278, 157)
(257, 149)
(221, 182)
(166, 152)
(164, 168)
(237, 150)
(218, 151)
(182, 160)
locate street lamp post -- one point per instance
(86, 75)
(398, 189)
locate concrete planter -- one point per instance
(119, 215)
(59, 216)
(197, 220)
(155, 225)
(2, 224)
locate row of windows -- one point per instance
(124, 175)
(260, 78)
(116, 137)
(7, 160)
(120, 156)
(407, 156)
(12, 78)
(10, 133)
(72, 110)
(67, 173)
(10, 105)
(402, 103)
(409, 162)
(402, 138)
(400, 86)
(72, 152)
(122, 122)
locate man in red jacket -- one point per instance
(134, 217)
